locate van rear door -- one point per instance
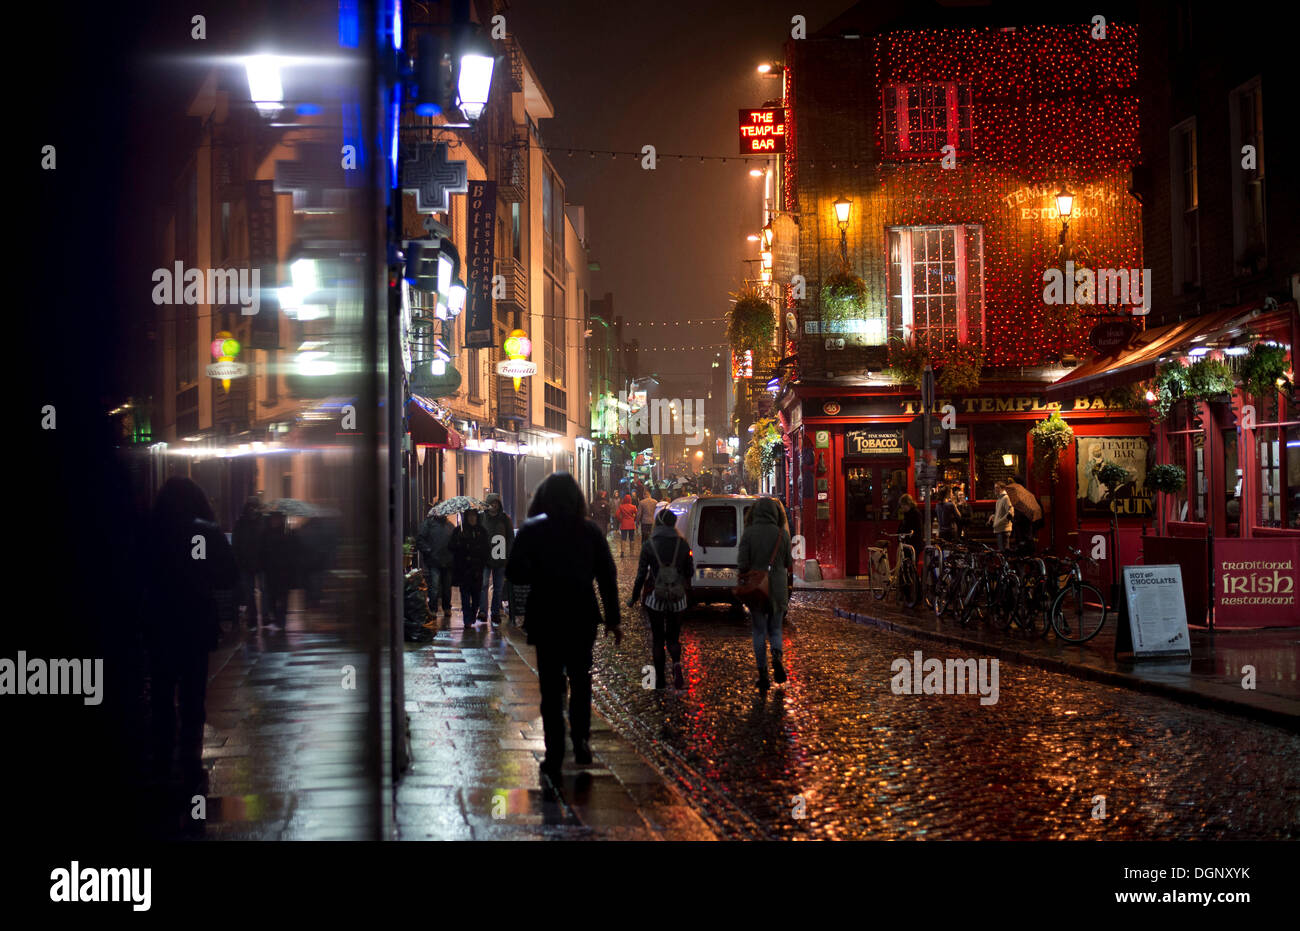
(717, 536)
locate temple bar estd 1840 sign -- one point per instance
(762, 131)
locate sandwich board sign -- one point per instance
(1153, 614)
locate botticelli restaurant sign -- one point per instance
(1257, 582)
(762, 131)
(874, 443)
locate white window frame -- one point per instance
(961, 263)
(900, 144)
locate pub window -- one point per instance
(1184, 206)
(920, 119)
(1246, 115)
(1279, 466)
(936, 285)
(999, 450)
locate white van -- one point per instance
(712, 525)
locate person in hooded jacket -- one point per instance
(765, 545)
(469, 548)
(626, 525)
(666, 547)
(181, 621)
(600, 511)
(558, 554)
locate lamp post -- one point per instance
(842, 207)
(1064, 207)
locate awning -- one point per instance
(427, 430)
(1138, 362)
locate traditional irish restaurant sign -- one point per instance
(1256, 582)
(762, 131)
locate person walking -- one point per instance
(181, 620)
(559, 554)
(600, 511)
(279, 563)
(501, 538)
(665, 573)
(764, 545)
(965, 513)
(434, 543)
(626, 524)
(1026, 516)
(469, 547)
(1001, 516)
(246, 540)
(645, 512)
(910, 523)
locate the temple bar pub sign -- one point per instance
(762, 131)
(874, 443)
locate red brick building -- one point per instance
(950, 145)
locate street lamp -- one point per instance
(766, 233)
(767, 259)
(842, 207)
(1064, 207)
(474, 79)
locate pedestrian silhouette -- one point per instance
(189, 560)
(558, 554)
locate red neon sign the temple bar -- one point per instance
(762, 131)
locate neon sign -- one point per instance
(762, 131)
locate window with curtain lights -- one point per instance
(920, 119)
(936, 285)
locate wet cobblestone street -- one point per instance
(863, 763)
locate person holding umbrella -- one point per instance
(469, 546)
(434, 543)
(1027, 516)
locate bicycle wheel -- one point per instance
(879, 575)
(1005, 597)
(943, 592)
(909, 586)
(930, 590)
(974, 596)
(1078, 613)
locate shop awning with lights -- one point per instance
(1140, 360)
(427, 429)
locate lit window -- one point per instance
(920, 119)
(936, 285)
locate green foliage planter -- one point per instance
(1052, 436)
(1209, 380)
(1170, 386)
(1112, 475)
(1167, 479)
(961, 369)
(843, 296)
(751, 325)
(1261, 369)
(907, 361)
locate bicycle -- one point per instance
(901, 578)
(1079, 609)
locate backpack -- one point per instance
(669, 587)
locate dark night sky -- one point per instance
(670, 242)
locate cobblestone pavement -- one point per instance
(859, 762)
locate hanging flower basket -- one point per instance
(751, 325)
(907, 361)
(1209, 380)
(961, 368)
(1261, 369)
(843, 295)
(1112, 475)
(1166, 478)
(1052, 436)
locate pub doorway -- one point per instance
(872, 490)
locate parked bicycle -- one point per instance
(1078, 610)
(900, 578)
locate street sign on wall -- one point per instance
(762, 131)
(479, 264)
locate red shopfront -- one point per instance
(1234, 528)
(855, 465)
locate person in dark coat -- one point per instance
(187, 560)
(469, 547)
(434, 543)
(664, 548)
(246, 539)
(949, 517)
(558, 554)
(910, 523)
(279, 564)
(765, 545)
(501, 538)
(600, 511)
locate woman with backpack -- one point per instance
(664, 572)
(765, 546)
